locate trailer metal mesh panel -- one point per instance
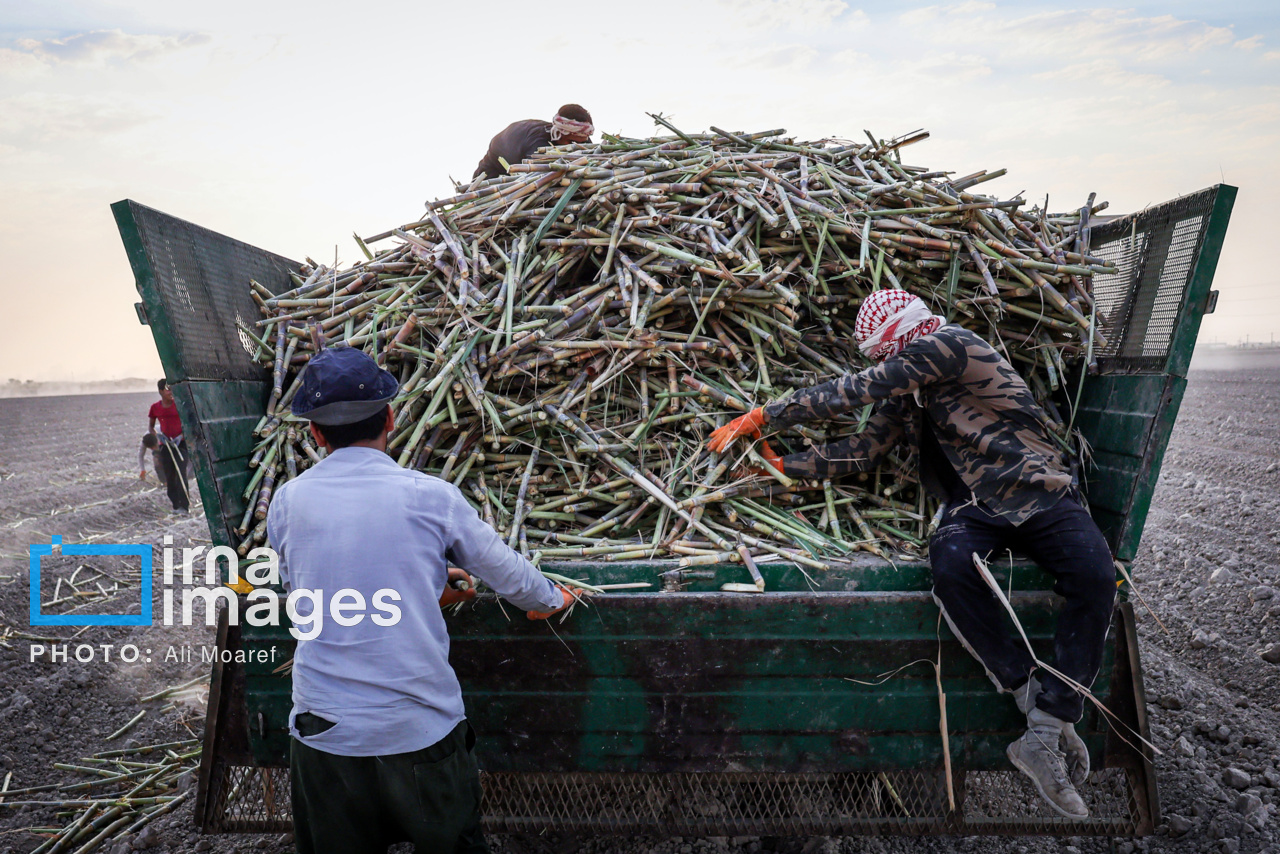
(1138, 306)
(194, 270)
(726, 804)
(248, 799)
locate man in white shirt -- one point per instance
(381, 750)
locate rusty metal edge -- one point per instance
(1146, 768)
(204, 813)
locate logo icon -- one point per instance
(38, 619)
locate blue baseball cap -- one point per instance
(343, 385)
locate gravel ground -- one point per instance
(1207, 567)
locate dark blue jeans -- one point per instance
(1065, 542)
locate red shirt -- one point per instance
(170, 423)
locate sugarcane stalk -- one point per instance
(128, 726)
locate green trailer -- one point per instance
(685, 710)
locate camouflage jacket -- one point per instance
(989, 426)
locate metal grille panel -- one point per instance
(251, 800)
(727, 804)
(1184, 247)
(1139, 305)
(1006, 802)
(203, 282)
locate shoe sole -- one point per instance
(1008, 751)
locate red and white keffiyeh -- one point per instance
(562, 127)
(891, 319)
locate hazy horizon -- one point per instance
(290, 126)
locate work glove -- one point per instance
(569, 599)
(743, 425)
(142, 475)
(770, 457)
(459, 588)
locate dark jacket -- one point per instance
(986, 422)
(518, 141)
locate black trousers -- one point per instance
(173, 464)
(363, 804)
(1065, 542)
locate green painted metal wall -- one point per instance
(793, 680)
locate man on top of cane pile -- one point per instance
(571, 125)
(985, 448)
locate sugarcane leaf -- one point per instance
(953, 279)
(550, 218)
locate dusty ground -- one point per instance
(1208, 567)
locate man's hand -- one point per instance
(743, 425)
(459, 588)
(569, 599)
(142, 475)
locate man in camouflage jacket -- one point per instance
(985, 449)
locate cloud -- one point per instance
(794, 57)
(1106, 72)
(41, 118)
(929, 13)
(851, 59)
(1072, 34)
(951, 66)
(1251, 43)
(557, 43)
(19, 63)
(795, 14)
(99, 47)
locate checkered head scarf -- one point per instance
(562, 127)
(891, 319)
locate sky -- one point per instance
(291, 125)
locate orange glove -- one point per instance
(743, 425)
(460, 588)
(569, 599)
(770, 457)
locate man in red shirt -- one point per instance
(172, 448)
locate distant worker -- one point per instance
(572, 124)
(150, 446)
(172, 448)
(381, 750)
(986, 450)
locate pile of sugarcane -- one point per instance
(567, 335)
(121, 792)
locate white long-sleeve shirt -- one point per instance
(358, 521)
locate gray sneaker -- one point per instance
(1077, 755)
(1077, 752)
(1036, 754)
